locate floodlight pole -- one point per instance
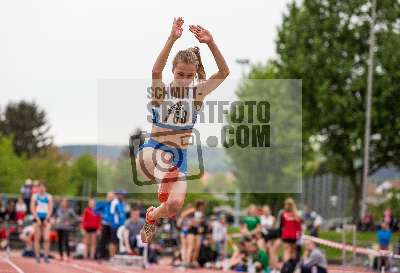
(368, 111)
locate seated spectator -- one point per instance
(238, 261)
(207, 256)
(313, 261)
(21, 210)
(132, 230)
(10, 211)
(26, 236)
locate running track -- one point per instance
(17, 264)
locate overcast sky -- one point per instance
(58, 52)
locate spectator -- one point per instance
(390, 219)
(251, 223)
(261, 259)
(367, 222)
(311, 220)
(3, 211)
(185, 226)
(91, 225)
(314, 261)
(200, 225)
(26, 236)
(219, 235)
(132, 229)
(26, 192)
(238, 261)
(384, 235)
(271, 235)
(103, 209)
(290, 226)
(65, 221)
(11, 214)
(207, 256)
(118, 216)
(21, 210)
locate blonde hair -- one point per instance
(290, 205)
(191, 55)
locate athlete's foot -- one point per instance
(38, 259)
(149, 228)
(46, 259)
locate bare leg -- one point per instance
(93, 245)
(191, 247)
(38, 235)
(184, 248)
(87, 243)
(287, 252)
(46, 239)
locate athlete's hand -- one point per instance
(176, 31)
(201, 34)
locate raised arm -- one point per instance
(204, 36)
(161, 61)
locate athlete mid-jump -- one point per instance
(174, 111)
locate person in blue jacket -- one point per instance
(103, 209)
(118, 216)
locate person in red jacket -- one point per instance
(90, 224)
(290, 225)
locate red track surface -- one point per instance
(18, 264)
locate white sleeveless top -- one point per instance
(177, 111)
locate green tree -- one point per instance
(261, 171)
(27, 123)
(11, 167)
(84, 175)
(51, 167)
(325, 43)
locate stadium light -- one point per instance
(368, 110)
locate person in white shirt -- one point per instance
(219, 234)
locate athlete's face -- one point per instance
(184, 74)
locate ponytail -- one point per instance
(201, 73)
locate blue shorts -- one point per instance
(179, 156)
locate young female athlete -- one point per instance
(174, 114)
(41, 208)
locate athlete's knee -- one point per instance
(165, 159)
(174, 205)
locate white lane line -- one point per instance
(81, 267)
(13, 265)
